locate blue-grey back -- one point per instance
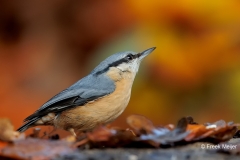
(85, 88)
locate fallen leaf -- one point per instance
(164, 136)
(100, 134)
(195, 131)
(7, 132)
(218, 131)
(140, 124)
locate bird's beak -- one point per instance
(146, 52)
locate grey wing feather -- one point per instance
(86, 89)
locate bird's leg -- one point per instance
(71, 130)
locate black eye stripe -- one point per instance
(138, 55)
(131, 57)
(116, 63)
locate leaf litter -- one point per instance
(142, 133)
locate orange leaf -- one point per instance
(140, 123)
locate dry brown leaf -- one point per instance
(106, 137)
(164, 136)
(144, 134)
(218, 131)
(140, 124)
(223, 131)
(100, 134)
(195, 131)
(7, 132)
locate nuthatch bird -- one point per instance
(98, 98)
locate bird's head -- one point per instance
(127, 61)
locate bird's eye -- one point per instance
(130, 57)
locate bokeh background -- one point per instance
(45, 46)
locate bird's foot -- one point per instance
(71, 130)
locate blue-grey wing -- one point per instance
(87, 89)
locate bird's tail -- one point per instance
(28, 124)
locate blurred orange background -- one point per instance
(45, 46)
